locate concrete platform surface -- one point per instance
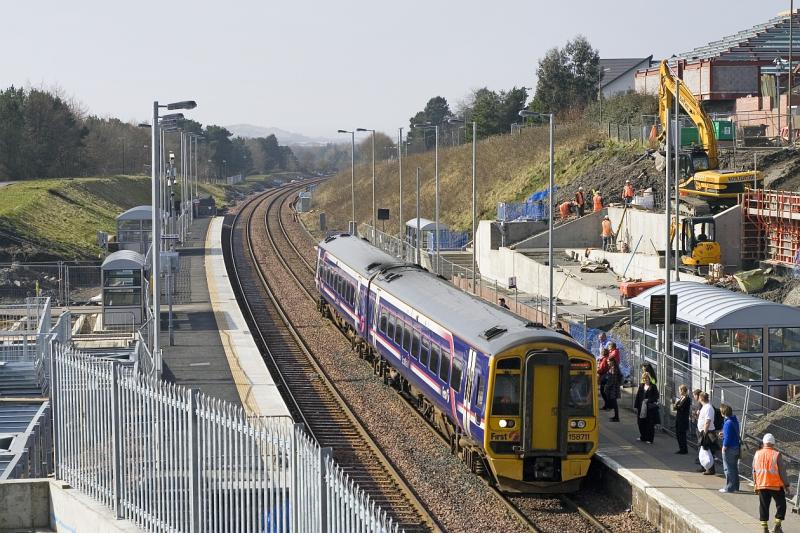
(668, 490)
(197, 359)
(254, 384)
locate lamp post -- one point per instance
(435, 128)
(602, 70)
(551, 186)
(354, 226)
(372, 218)
(779, 64)
(474, 196)
(155, 245)
(400, 172)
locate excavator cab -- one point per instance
(692, 162)
(699, 246)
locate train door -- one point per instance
(470, 382)
(545, 397)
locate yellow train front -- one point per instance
(541, 423)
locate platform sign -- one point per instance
(658, 310)
(700, 356)
(383, 214)
(512, 282)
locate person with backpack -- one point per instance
(602, 374)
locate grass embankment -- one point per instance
(509, 168)
(60, 218)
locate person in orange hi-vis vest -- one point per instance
(627, 193)
(580, 201)
(770, 482)
(607, 233)
(564, 209)
(597, 201)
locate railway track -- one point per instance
(310, 394)
(302, 270)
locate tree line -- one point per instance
(43, 135)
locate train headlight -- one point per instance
(581, 424)
(573, 424)
(577, 424)
(506, 423)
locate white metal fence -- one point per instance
(172, 459)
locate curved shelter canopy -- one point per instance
(124, 260)
(425, 224)
(706, 305)
(140, 212)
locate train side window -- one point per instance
(390, 328)
(415, 345)
(444, 369)
(426, 350)
(479, 394)
(351, 293)
(455, 375)
(384, 320)
(407, 338)
(398, 332)
(434, 363)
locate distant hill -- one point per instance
(284, 137)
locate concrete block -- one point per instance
(24, 504)
(581, 232)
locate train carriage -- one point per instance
(516, 399)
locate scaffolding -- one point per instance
(771, 226)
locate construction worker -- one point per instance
(607, 233)
(564, 209)
(770, 482)
(597, 201)
(580, 201)
(627, 193)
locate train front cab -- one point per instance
(542, 419)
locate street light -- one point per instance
(526, 113)
(354, 227)
(429, 126)
(600, 90)
(400, 211)
(779, 65)
(453, 120)
(373, 174)
(155, 245)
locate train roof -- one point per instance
(485, 326)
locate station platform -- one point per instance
(666, 488)
(212, 349)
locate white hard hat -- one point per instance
(580, 188)
(768, 439)
(627, 181)
(606, 217)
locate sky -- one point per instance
(313, 67)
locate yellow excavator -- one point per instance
(704, 188)
(697, 242)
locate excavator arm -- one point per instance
(705, 129)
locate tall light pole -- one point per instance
(789, 86)
(550, 199)
(435, 128)
(400, 172)
(602, 70)
(779, 64)
(354, 228)
(474, 197)
(155, 245)
(374, 227)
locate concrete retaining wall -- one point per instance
(532, 276)
(43, 504)
(581, 232)
(514, 232)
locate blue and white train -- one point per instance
(516, 399)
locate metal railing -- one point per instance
(23, 330)
(64, 282)
(758, 413)
(172, 459)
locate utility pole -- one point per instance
(419, 232)
(400, 167)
